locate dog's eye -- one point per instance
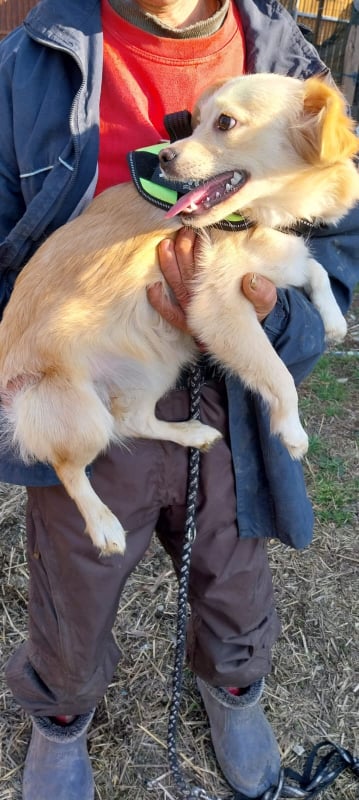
(225, 123)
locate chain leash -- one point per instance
(185, 790)
(291, 784)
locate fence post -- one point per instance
(350, 78)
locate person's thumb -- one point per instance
(261, 292)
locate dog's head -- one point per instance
(274, 148)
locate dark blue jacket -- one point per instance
(50, 81)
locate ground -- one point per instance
(313, 691)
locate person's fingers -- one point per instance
(185, 248)
(170, 311)
(261, 292)
(173, 268)
(177, 264)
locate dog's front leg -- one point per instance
(237, 340)
(320, 292)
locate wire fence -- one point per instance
(333, 27)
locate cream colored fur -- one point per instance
(84, 357)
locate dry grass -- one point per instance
(314, 689)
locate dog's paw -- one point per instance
(335, 327)
(107, 533)
(114, 545)
(298, 449)
(293, 437)
(203, 437)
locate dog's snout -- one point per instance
(167, 155)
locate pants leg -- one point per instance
(70, 656)
(233, 623)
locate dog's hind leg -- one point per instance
(139, 421)
(67, 425)
(103, 527)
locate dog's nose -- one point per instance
(166, 155)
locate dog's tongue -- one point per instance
(209, 194)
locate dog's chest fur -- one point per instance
(226, 257)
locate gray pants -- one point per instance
(70, 656)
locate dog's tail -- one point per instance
(52, 420)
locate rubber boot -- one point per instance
(244, 743)
(57, 765)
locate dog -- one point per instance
(84, 357)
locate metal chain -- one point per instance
(312, 781)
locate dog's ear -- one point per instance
(196, 115)
(324, 133)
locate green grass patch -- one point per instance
(334, 488)
(329, 404)
(333, 383)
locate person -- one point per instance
(81, 84)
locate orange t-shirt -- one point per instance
(147, 76)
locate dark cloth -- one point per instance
(71, 654)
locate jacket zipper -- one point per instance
(75, 138)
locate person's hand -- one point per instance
(178, 264)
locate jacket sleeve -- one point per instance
(12, 204)
(295, 327)
(11, 200)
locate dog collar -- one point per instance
(145, 173)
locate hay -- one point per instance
(312, 693)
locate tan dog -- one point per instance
(84, 357)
